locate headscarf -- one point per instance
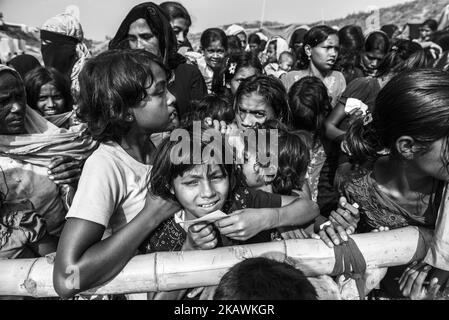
(24, 63)
(234, 30)
(62, 46)
(159, 24)
(281, 46)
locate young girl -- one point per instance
(321, 47)
(377, 45)
(214, 45)
(310, 106)
(404, 187)
(48, 92)
(123, 99)
(258, 99)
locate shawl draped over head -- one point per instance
(234, 30)
(62, 46)
(281, 46)
(24, 63)
(159, 24)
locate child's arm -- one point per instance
(85, 261)
(244, 224)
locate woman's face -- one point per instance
(324, 55)
(214, 54)
(240, 75)
(180, 27)
(271, 53)
(372, 59)
(151, 114)
(50, 101)
(425, 33)
(253, 110)
(201, 190)
(12, 104)
(140, 36)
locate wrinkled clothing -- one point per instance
(317, 160)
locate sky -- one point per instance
(100, 18)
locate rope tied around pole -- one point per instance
(349, 261)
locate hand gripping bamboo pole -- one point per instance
(164, 271)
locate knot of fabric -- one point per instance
(350, 262)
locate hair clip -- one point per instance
(367, 119)
(232, 67)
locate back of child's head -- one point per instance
(110, 84)
(310, 104)
(186, 147)
(213, 106)
(212, 35)
(413, 104)
(271, 90)
(393, 62)
(264, 279)
(293, 157)
(234, 45)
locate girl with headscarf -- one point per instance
(272, 54)
(63, 48)
(147, 27)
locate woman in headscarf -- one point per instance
(63, 48)
(147, 27)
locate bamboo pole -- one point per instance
(164, 271)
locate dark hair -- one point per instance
(23, 63)
(413, 103)
(212, 105)
(272, 90)
(211, 35)
(293, 157)
(234, 45)
(110, 84)
(393, 62)
(352, 44)
(239, 61)
(254, 38)
(36, 78)
(264, 279)
(431, 23)
(389, 29)
(377, 41)
(176, 10)
(310, 105)
(297, 37)
(165, 171)
(314, 37)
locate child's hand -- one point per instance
(346, 216)
(161, 209)
(332, 235)
(202, 236)
(244, 224)
(412, 282)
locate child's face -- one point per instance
(253, 110)
(271, 53)
(241, 75)
(214, 54)
(202, 190)
(50, 101)
(257, 174)
(151, 114)
(286, 63)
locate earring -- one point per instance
(309, 57)
(129, 118)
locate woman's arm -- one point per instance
(84, 261)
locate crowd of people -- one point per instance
(359, 129)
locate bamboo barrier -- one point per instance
(165, 271)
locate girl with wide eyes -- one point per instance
(320, 52)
